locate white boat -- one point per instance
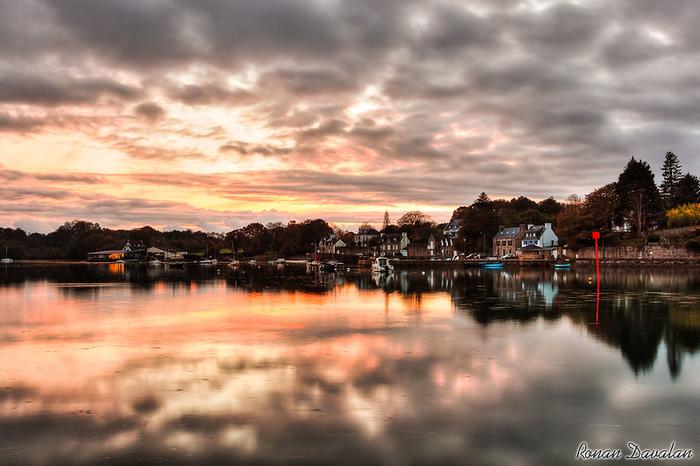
(155, 263)
(6, 260)
(234, 263)
(281, 261)
(208, 262)
(381, 265)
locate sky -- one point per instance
(212, 114)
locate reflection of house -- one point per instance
(331, 244)
(508, 240)
(441, 245)
(394, 244)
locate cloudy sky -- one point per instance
(214, 113)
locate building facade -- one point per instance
(508, 240)
(393, 244)
(542, 236)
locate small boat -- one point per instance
(382, 265)
(6, 260)
(208, 262)
(252, 262)
(562, 265)
(492, 265)
(281, 261)
(155, 263)
(234, 263)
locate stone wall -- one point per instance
(636, 253)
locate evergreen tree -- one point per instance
(639, 198)
(671, 174)
(386, 222)
(687, 191)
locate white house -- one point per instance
(541, 236)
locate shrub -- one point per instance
(684, 216)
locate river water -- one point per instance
(136, 365)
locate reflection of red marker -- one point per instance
(596, 237)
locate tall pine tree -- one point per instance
(671, 174)
(687, 191)
(640, 201)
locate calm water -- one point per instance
(107, 365)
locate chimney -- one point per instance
(522, 227)
(547, 226)
(501, 227)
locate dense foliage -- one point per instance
(481, 219)
(684, 216)
(73, 240)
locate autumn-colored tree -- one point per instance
(413, 217)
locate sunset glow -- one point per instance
(211, 115)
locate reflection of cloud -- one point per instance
(198, 373)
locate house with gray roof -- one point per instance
(508, 240)
(541, 236)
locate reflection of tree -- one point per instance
(639, 308)
(631, 318)
(635, 327)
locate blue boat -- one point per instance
(562, 265)
(492, 265)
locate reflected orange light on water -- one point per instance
(199, 367)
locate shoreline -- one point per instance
(409, 263)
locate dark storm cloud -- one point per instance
(28, 88)
(211, 93)
(19, 123)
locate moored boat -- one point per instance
(6, 259)
(382, 265)
(492, 265)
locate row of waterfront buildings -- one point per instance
(522, 241)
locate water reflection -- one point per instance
(263, 365)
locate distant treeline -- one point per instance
(73, 240)
(634, 199)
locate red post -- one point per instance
(596, 237)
